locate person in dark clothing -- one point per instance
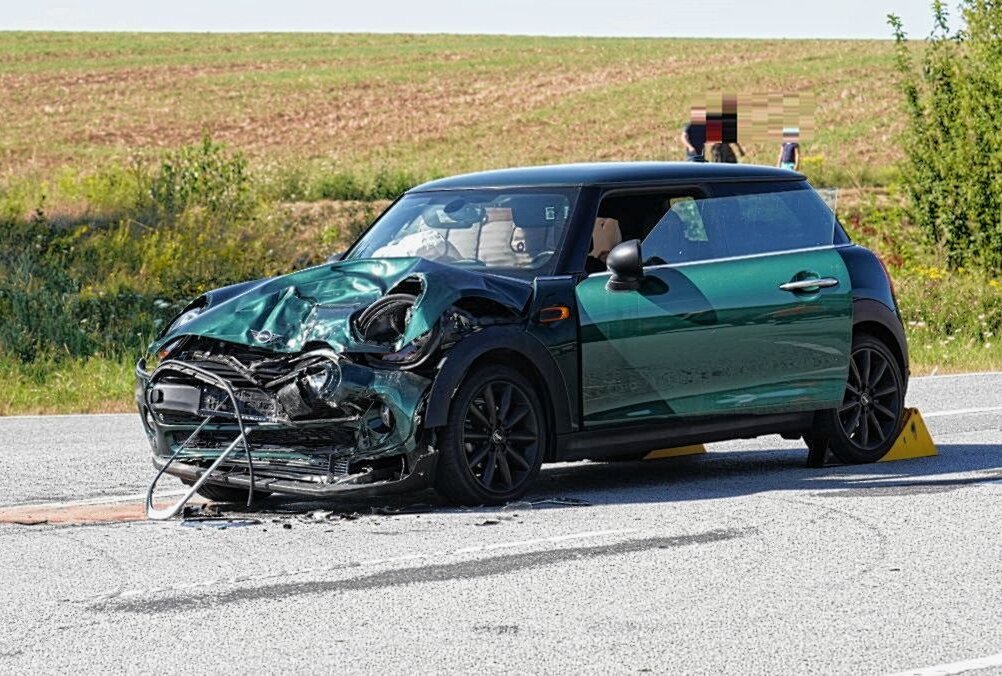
(722, 131)
(724, 152)
(789, 154)
(694, 135)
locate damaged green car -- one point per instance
(488, 323)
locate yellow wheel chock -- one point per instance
(678, 452)
(914, 441)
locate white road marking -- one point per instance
(962, 411)
(957, 375)
(261, 577)
(106, 500)
(955, 667)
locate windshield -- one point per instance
(512, 231)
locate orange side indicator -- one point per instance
(554, 313)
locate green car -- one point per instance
(488, 323)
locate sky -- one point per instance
(646, 18)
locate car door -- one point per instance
(745, 308)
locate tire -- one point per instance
(237, 496)
(868, 421)
(492, 445)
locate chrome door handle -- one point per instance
(802, 284)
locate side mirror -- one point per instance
(334, 258)
(626, 264)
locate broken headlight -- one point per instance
(323, 384)
(384, 323)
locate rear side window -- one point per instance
(778, 221)
(739, 225)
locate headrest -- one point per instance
(605, 236)
(496, 214)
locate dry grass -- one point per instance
(421, 103)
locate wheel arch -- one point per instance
(514, 348)
(876, 319)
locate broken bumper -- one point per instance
(196, 417)
(417, 478)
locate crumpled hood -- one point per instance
(285, 313)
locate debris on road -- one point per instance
(216, 523)
(562, 502)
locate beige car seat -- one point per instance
(496, 235)
(604, 237)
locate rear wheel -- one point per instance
(866, 424)
(492, 446)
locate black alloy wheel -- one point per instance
(866, 424)
(500, 436)
(872, 404)
(493, 446)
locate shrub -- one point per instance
(202, 175)
(953, 142)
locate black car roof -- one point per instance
(604, 173)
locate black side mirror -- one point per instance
(626, 264)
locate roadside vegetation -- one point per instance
(140, 170)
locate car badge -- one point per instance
(265, 336)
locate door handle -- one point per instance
(804, 284)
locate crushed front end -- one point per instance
(311, 423)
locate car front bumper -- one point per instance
(318, 458)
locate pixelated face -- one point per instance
(698, 115)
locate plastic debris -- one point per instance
(563, 502)
(217, 523)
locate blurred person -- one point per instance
(694, 135)
(789, 154)
(724, 152)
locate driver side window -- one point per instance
(667, 223)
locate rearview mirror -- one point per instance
(626, 264)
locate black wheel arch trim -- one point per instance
(458, 361)
(869, 311)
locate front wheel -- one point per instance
(492, 446)
(867, 422)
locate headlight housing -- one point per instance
(189, 313)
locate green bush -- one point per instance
(953, 142)
(105, 282)
(205, 176)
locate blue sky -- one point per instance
(669, 18)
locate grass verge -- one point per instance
(78, 385)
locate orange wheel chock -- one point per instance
(914, 441)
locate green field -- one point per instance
(108, 224)
(429, 104)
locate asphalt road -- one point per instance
(740, 560)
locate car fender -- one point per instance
(457, 362)
(870, 311)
